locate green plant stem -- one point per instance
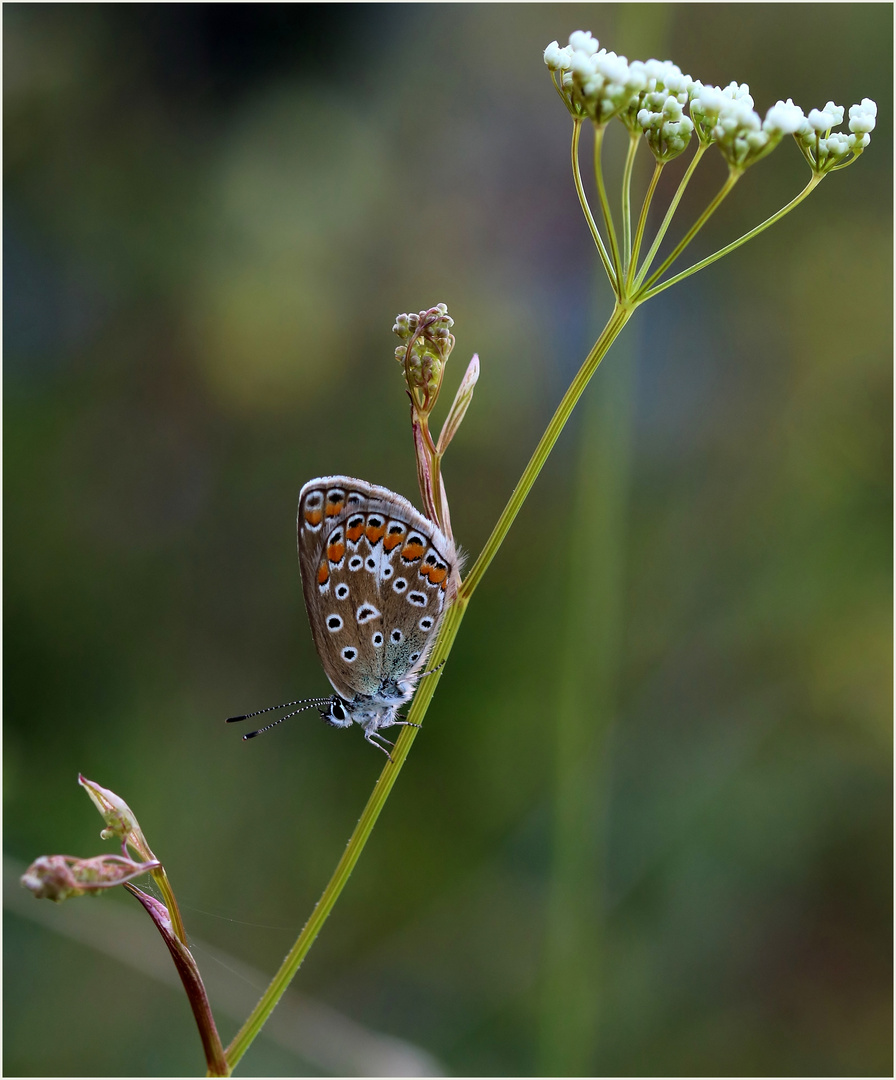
(599, 130)
(794, 202)
(583, 200)
(642, 224)
(634, 139)
(244, 1037)
(253, 1025)
(673, 206)
(164, 886)
(733, 176)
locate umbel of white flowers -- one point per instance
(668, 107)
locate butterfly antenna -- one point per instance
(270, 708)
(267, 727)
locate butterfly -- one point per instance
(378, 578)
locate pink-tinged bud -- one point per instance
(120, 820)
(461, 403)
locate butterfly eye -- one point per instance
(337, 711)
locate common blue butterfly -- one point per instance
(378, 578)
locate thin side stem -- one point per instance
(599, 130)
(813, 183)
(673, 206)
(583, 199)
(634, 138)
(714, 204)
(164, 885)
(642, 223)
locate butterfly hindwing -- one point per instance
(376, 576)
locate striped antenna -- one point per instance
(306, 703)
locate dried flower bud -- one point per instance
(120, 820)
(61, 877)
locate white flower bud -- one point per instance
(583, 41)
(784, 118)
(709, 101)
(821, 120)
(837, 144)
(613, 68)
(672, 109)
(557, 59)
(581, 64)
(638, 78)
(863, 118)
(739, 93)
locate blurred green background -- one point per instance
(212, 215)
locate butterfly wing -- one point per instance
(417, 598)
(334, 595)
(377, 578)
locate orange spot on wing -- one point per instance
(314, 517)
(335, 552)
(393, 540)
(333, 508)
(323, 574)
(436, 575)
(354, 533)
(412, 552)
(375, 533)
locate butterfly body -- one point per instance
(377, 578)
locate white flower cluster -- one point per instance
(726, 116)
(825, 149)
(597, 83)
(651, 96)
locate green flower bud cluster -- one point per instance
(428, 344)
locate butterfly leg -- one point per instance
(375, 739)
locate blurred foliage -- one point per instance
(213, 214)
